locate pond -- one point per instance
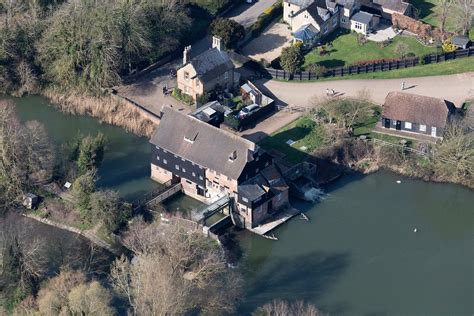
(359, 254)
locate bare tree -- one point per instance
(464, 12)
(176, 270)
(401, 49)
(444, 10)
(284, 308)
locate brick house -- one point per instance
(211, 163)
(206, 71)
(415, 116)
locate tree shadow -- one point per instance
(332, 63)
(314, 273)
(423, 7)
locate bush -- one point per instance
(180, 96)
(82, 189)
(232, 122)
(317, 69)
(276, 10)
(448, 47)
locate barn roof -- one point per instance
(415, 108)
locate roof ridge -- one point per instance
(206, 125)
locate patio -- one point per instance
(382, 33)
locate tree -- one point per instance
(291, 59)
(26, 155)
(91, 153)
(464, 12)
(444, 10)
(107, 207)
(283, 308)
(82, 190)
(401, 49)
(70, 294)
(176, 270)
(228, 30)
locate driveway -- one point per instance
(269, 44)
(455, 88)
(246, 14)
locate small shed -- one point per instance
(461, 42)
(30, 200)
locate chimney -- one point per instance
(186, 52)
(217, 42)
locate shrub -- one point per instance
(448, 46)
(318, 70)
(232, 122)
(266, 18)
(180, 96)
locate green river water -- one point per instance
(358, 254)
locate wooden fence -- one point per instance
(362, 69)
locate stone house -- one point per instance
(206, 71)
(415, 116)
(211, 163)
(311, 20)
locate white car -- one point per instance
(246, 111)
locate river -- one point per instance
(358, 254)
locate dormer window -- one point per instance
(191, 137)
(186, 75)
(233, 156)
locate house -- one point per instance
(206, 71)
(462, 42)
(311, 20)
(414, 115)
(211, 163)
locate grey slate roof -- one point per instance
(460, 40)
(415, 108)
(211, 64)
(301, 3)
(399, 6)
(211, 147)
(362, 17)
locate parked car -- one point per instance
(248, 110)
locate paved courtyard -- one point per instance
(269, 44)
(382, 33)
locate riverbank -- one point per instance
(107, 109)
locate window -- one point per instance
(182, 159)
(325, 29)
(197, 83)
(422, 128)
(184, 170)
(358, 26)
(266, 164)
(157, 157)
(194, 174)
(177, 167)
(186, 75)
(245, 199)
(165, 162)
(407, 125)
(164, 150)
(201, 178)
(334, 21)
(343, 20)
(226, 75)
(394, 122)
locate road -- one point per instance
(247, 14)
(455, 88)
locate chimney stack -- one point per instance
(217, 42)
(186, 52)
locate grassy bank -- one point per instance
(106, 109)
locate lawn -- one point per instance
(427, 13)
(303, 132)
(451, 67)
(346, 51)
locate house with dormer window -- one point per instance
(210, 163)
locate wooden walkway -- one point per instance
(272, 223)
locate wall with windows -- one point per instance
(414, 127)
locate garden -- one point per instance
(345, 49)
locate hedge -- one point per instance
(276, 10)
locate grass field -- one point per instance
(347, 51)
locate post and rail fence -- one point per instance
(271, 73)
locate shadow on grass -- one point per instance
(423, 7)
(332, 63)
